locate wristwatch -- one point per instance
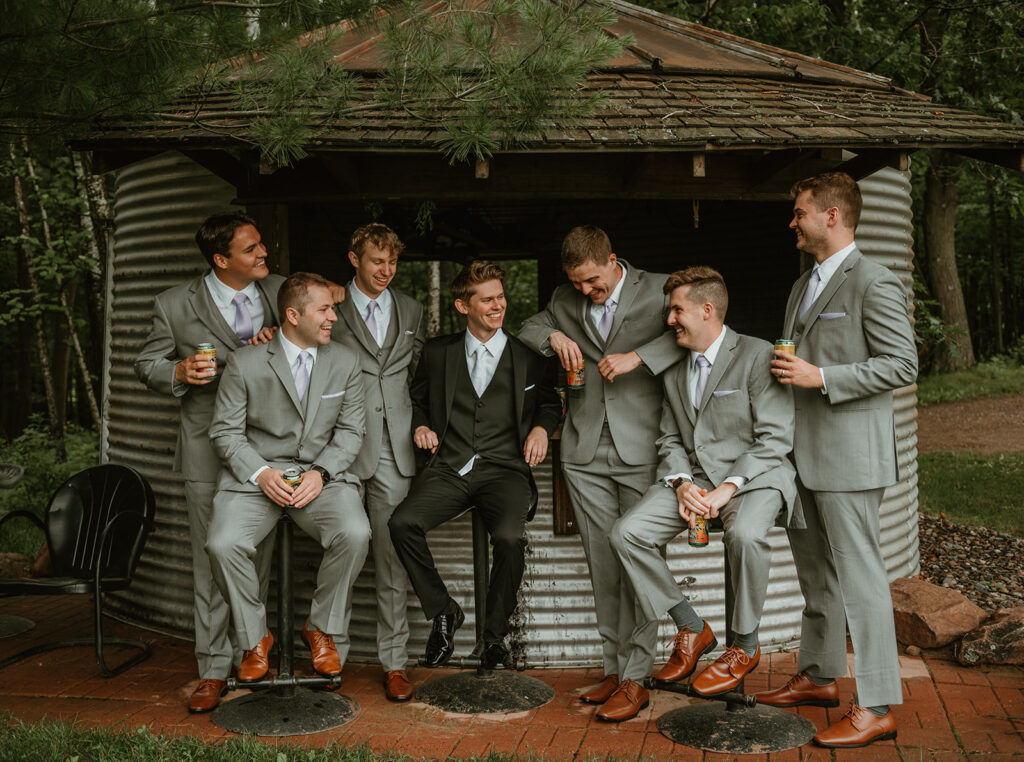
(677, 482)
(325, 475)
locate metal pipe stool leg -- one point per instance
(287, 708)
(484, 691)
(732, 723)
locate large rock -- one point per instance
(931, 616)
(1000, 641)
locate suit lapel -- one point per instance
(722, 363)
(683, 376)
(399, 320)
(519, 366)
(583, 315)
(795, 297)
(317, 385)
(356, 325)
(279, 364)
(626, 297)
(209, 314)
(834, 283)
(269, 309)
(455, 353)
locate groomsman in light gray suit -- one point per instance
(385, 329)
(854, 346)
(726, 432)
(612, 316)
(296, 401)
(227, 306)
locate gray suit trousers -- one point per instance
(382, 493)
(843, 579)
(602, 491)
(335, 519)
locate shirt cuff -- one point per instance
(178, 388)
(667, 480)
(739, 481)
(824, 386)
(259, 471)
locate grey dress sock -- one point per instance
(820, 680)
(878, 711)
(747, 642)
(684, 616)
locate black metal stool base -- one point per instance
(736, 730)
(499, 691)
(11, 625)
(268, 714)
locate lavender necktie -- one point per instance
(704, 370)
(812, 286)
(605, 326)
(371, 319)
(301, 374)
(243, 320)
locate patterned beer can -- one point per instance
(210, 351)
(698, 535)
(785, 346)
(575, 379)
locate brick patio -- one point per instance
(950, 712)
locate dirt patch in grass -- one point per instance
(987, 425)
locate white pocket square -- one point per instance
(529, 387)
(408, 333)
(332, 395)
(724, 392)
(831, 315)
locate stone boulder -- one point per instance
(999, 641)
(930, 616)
(13, 565)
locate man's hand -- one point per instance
(264, 336)
(536, 446)
(308, 490)
(691, 502)
(568, 351)
(337, 293)
(274, 486)
(790, 369)
(197, 370)
(425, 438)
(718, 497)
(618, 365)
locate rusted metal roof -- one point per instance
(680, 86)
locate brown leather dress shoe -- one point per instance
(859, 727)
(801, 691)
(625, 704)
(687, 648)
(325, 656)
(725, 672)
(397, 686)
(256, 661)
(207, 695)
(602, 691)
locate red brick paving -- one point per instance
(949, 712)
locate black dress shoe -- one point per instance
(495, 654)
(441, 642)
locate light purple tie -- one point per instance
(371, 319)
(812, 286)
(605, 326)
(301, 374)
(243, 320)
(704, 370)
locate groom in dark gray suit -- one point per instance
(854, 346)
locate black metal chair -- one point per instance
(96, 526)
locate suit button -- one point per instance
(479, 404)
(378, 408)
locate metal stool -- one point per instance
(732, 723)
(286, 709)
(485, 691)
(10, 625)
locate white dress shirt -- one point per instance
(597, 310)
(361, 302)
(489, 355)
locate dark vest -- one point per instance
(485, 425)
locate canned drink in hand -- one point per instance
(698, 534)
(292, 476)
(785, 346)
(208, 351)
(575, 379)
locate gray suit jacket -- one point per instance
(859, 331)
(631, 403)
(259, 421)
(386, 376)
(744, 426)
(184, 317)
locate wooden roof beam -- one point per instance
(870, 161)
(1013, 159)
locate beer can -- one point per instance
(209, 351)
(698, 534)
(575, 379)
(785, 346)
(292, 476)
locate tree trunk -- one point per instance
(99, 221)
(940, 203)
(434, 300)
(995, 273)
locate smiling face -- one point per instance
(694, 323)
(310, 326)
(596, 281)
(484, 310)
(245, 261)
(375, 269)
(813, 227)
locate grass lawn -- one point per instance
(998, 376)
(980, 490)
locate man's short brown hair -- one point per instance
(836, 189)
(472, 275)
(378, 234)
(585, 243)
(217, 231)
(294, 292)
(706, 285)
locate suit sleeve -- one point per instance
(342, 449)
(419, 392)
(155, 364)
(772, 415)
(660, 353)
(548, 412)
(535, 330)
(890, 340)
(419, 339)
(227, 429)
